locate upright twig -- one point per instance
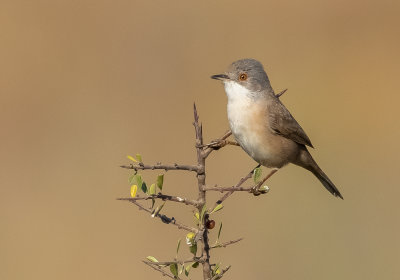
(201, 182)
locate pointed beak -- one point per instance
(221, 77)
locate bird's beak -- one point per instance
(221, 77)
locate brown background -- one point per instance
(84, 83)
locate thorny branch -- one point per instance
(157, 268)
(219, 276)
(162, 197)
(161, 264)
(223, 245)
(165, 167)
(201, 232)
(164, 218)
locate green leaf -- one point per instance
(217, 208)
(131, 158)
(195, 264)
(131, 179)
(197, 216)
(193, 249)
(173, 267)
(219, 231)
(136, 178)
(139, 180)
(139, 157)
(257, 174)
(152, 259)
(203, 211)
(152, 190)
(177, 247)
(160, 181)
(144, 187)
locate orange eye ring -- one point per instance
(243, 77)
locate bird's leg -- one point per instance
(219, 143)
(256, 189)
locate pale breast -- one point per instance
(249, 124)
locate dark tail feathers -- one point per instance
(326, 182)
(305, 160)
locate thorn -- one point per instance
(196, 117)
(281, 93)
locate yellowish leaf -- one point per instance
(152, 259)
(132, 158)
(217, 208)
(133, 190)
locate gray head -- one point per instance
(248, 73)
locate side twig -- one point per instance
(223, 245)
(162, 271)
(219, 276)
(241, 181)
(171, 262)
(163, 197)
(165, 219)
(165, 167)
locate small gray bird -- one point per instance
(262, 125)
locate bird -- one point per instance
(262, 125)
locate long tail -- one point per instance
(305, 160)
(326, 182)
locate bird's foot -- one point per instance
(256, 191)
(219, 143)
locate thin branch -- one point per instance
(171, 262)
(219, 143)
(255, 190)
(223, 245)
(162, 197)
(252, 189)
(162, 271)
(165, 167)
(228, 189)
(241, 181)
(219, 276)
(165, 219)
(280, 94)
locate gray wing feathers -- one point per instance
(283, 123)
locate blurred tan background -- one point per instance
(84, 83)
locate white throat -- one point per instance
(239, 107)
(236, 92)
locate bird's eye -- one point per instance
(243, 77)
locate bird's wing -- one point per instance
(282, 123)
